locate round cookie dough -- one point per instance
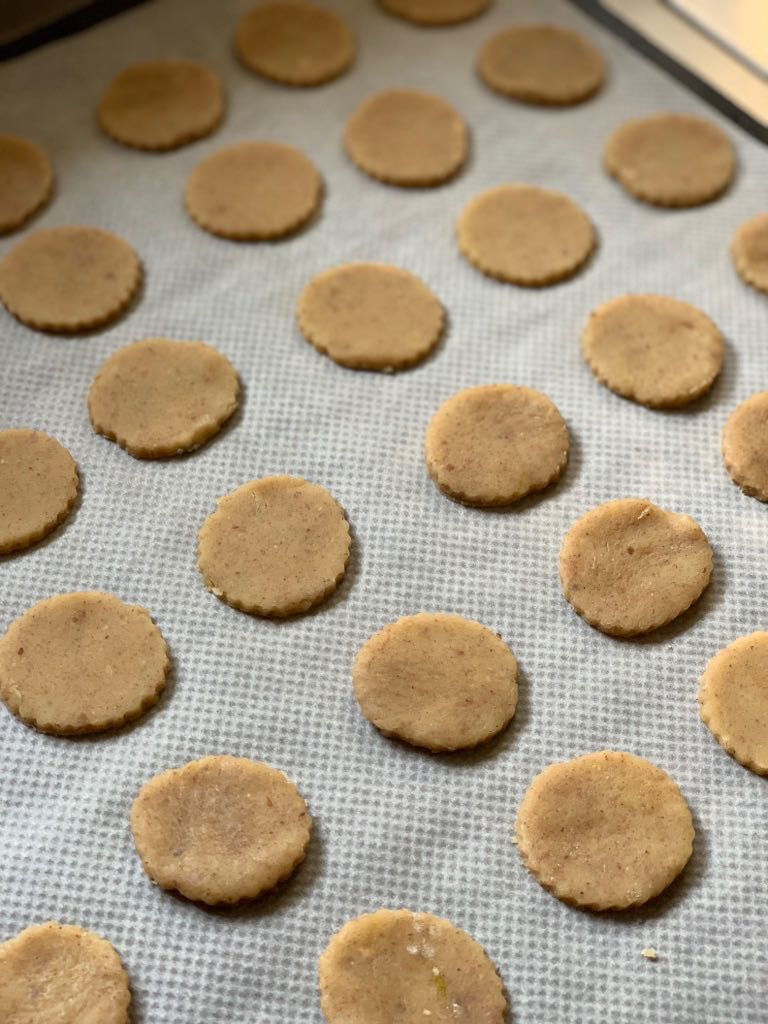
(437, 681)
(69, 279)
(408, 138)
(38, 487)
(543, 64)
(399, 965)
(671, 159)
(628, 567)
(435, 12)
(80, 663)
(493, 444)
(26, 181)
(605, 831)
(652, 349)
(162, 104)
(371, 316)
(220, 830)
(525, 235)
(159, 397)
(749, 251)
(294, 42)
(61, 974)
(254, 191)
(275, 547)
(745, 446)
(733, 700)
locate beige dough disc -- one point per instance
(295, 42)
(542, 64)
(745, 446)
(398, 965)
(409, 138)
(605, 831)
(671, 159)
(371, 316)
(254, 191)
(493, 444)
(749, 251)
(162, 104)
(38, 487)
(61, 974)
(275, 547)
(69, 279)
(525, 235)
(652, 349)
(436, 681)
(628, 567)
(159, 397)
(80, 663)
(435, 12)
(26, 181)
(220, 830)
(733, 700)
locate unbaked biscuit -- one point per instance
(80, 663)
(435, 12)
(38, 487)
(295, 42)
(370, 316)
(493, 444)
(61, 974)
(745, 446)
(253, 191)
(605, 831)
(220, 830)
(525, 235)
(399, 965)
(733, 700)
(653, 349)
(671, 159)
(162, 104)
(26, 181)
(542, 63)
(275, 547)
(408, 138)
(749, 251)
(69, 279)
(629, 567)
(159, 397)
(437, 681)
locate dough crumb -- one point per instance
(650, 953)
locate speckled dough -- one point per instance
(542, 64)
(402, 967)
(275, 547)
(38, 487)
(437, 681)
(671, 159)
(69, 279)
(295, 42)
(254, 191)
(605, 831)
(220, 830)
(652, 349)
(525, 235)
(745, 446)
(493, 444)
(61, 974)
(162, 104)
(80, 663)
(408, 138)
(160, 397)
(628, 567)
(749, 251)
(371, 316)
(26, 181)
(733, 700)
(435, 12)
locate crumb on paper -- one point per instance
(650, 953)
